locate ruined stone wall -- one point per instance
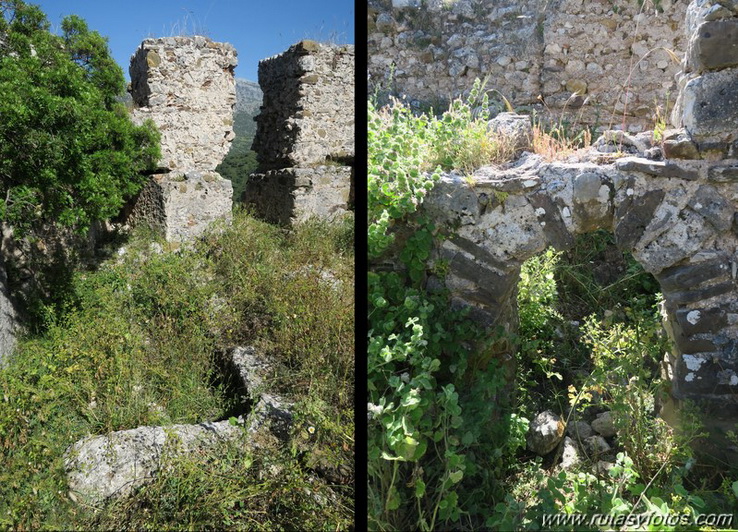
(676, 217)
(707, 106)
(673, 205)
(308, 112)
(613, 55)
(305, 134)
(187, 87)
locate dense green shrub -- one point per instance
(609, 360)
(439, 433)
(68, 150)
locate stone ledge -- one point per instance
(293, 195)
(181, 205)
(670, 169)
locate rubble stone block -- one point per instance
(292, 195)
(115, 464)
(714, 45)
(545, 432)
(710, 106)
(182, 205)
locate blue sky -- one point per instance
(257, 28)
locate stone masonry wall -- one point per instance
(187, 87)
(308, 110)
(305, 134)
(674, 206)
(707, 107)
(613, 55)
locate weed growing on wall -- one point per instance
(609, 360)
(440, 433)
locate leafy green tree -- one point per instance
(69, 153)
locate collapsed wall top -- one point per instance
(707, 103)
(307, 116)
(187, 87)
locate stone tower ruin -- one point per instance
(305, 134)
(187, 87)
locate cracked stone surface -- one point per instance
(113, 465)
(679, 229)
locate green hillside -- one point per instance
(241, 160)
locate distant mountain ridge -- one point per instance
(248, 96)
(241, 161)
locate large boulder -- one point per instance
(113, 465)
(545, 432)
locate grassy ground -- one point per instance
(136, 344)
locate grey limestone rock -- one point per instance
(678, 145)
(570, 454)
(604, 424)
(714, 45)
(8, 317)
(274, 414)
(602, 467)
(622, 141)
(386, 23)
(545, 432)
(731, 5)
(596, 445)
(252, 368)
(113, 465)
(710, 105)
(579, 430)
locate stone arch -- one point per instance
(676, 218)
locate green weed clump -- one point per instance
(591, 339)
(137, 342)
(440, 436)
